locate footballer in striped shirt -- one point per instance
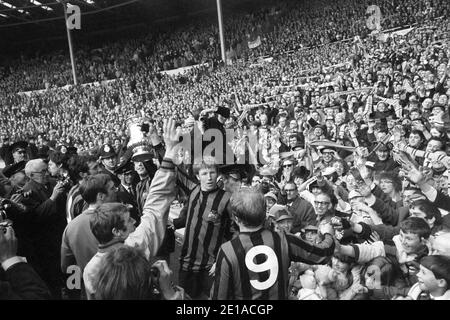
(254, 265)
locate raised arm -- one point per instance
(150, 233)
(302, 251)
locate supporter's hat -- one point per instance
(271, 195)
(223, 111)
(107, 151)
(438, 105)
(267, 171)
(13, 169)
(289, 158)
(62, 149)
(320, 126)
(325, 148)
(298, 147)
(275, 209)
(124, 168)
(354, 194)
(237, 171)
(310, 228)
(18, 145)
(283, 214)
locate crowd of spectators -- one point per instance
(350, 165)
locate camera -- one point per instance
(4, 221)
(64, 178)
(155, 290)
(154, 272)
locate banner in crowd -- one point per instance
(255, 43)
(68, 86)
(384, 36)
(179, 71)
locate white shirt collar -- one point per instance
(445, 296)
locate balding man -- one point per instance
(241, 274)
(45, 223)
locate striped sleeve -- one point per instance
(302, 251)
(223, 281)
(185, 181)
(167, 164)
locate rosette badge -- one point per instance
(139, 143)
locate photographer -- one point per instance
(19, 280)
(45, 223)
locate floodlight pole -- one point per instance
(221, 34)
(69, 38)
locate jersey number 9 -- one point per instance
(271, 264)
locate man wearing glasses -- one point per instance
(323, 207)
(43, 223)
(288, 168)
(300, 209)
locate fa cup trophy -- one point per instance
(140, 145)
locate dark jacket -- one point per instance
(126, 197)
(303, 213)
(21, 282)
(44, 226)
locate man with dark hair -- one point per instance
(238, 273)
(78, 243)
(425, 209)
(125, 274)
(78, 170)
